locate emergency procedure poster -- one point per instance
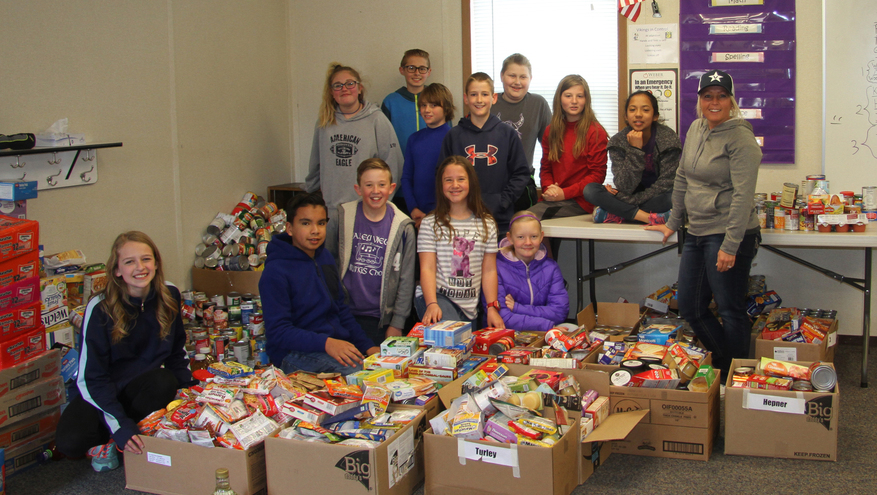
(663, 85)
(754, 42)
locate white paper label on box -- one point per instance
(504, 456)
(400, 456)
(164, 460)
(832, 339)
(774, 403)
(785, 353)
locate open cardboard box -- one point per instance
(179, 468)
(681, 424)
(779, 423)
(456, 466)
(222, 282)
(396, 467)
(612, 314)
(796, 351)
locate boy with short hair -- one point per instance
(527, 113)
(494, 149)
(402, 107)
(424, 149)
(308, 326)
(377, 248)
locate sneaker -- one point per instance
(104, 457)
(603, 216)
(659, 218)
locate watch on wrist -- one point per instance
(494, 305)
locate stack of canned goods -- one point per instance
(228, 327)
(796, 208)
(818, 377)
(239, 241)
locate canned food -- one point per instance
(220, 317)
(869, 198)
(744, 371)
(230, 249)
(269, 210)
(211, 252)
(802, 386)
(823, 377)
(789, 194)
(257, 325)
(241, 352)
(793, 219)
(620, 377)
(209, 239)
(779, 218)
(234, 315)
(501, 346)
(199, 262)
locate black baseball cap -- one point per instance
(716, 77)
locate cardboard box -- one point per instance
(31, 400)
(778, 423)
(46, 365)
(611, 314)
(222, 282)
(23, 431)
(22, 346)
(20, 293)
(53, 294)
(18, 190)
(14, 209)
(681, 424)
(62, 333)
(169, 467)
(19, 268)
(522, 469)
(19, 319)
(796, 351)
(309, 468)
(17, 237)
(26, 455)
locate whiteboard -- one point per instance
(850, 94)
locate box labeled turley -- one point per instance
(779, 423)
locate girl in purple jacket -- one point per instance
(531, 289)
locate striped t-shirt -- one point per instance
(458, 260)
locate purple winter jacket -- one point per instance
(541, 301)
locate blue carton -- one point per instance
(447, 333)
(658, 333)
(16, 191)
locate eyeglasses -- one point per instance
(349, 85)
(411, 68)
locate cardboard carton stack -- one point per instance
(22, 335)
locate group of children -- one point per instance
(460, 187)
(343, 276)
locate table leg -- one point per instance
(580, 279)
(866, 318)
(592, 283)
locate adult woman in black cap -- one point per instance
(715, 187)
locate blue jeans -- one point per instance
(315, 362)
(700, 281)
(450, 310)
(597, 195)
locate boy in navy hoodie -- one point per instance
(307, 323)
(494, 149)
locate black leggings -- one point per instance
(82, 425)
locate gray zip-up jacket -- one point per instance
(629, 163)
(337, 151)
(715, 182)
(397, 286)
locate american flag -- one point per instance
(630, 9)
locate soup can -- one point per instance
(779, 218)
(823, 377)
(789, 194)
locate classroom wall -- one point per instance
(198, 92)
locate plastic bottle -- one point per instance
(199, 362)
(222, 485)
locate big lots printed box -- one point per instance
(170, 467)
(394, 468)
(222, 282)
(681, 424)
(796, 351)
(611, 314)
(777, 423)
(456, 466)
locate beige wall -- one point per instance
(197, 91)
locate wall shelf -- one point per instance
(55, 167)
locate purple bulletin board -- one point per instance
(756, 45)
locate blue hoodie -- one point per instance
(303, 302)
(497, 154)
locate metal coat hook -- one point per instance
(55, 160)
(18, 163)
(82, 175)
(23, 176)
(89, 156)
(51, 179)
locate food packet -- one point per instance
(260, 385)
(181, 415)
(340, 389)
(230, 369)
(784, 369)
(233, 412)
(378, 395)
(360, 443)
(218, 395)
(175, 435)
(263, 403)
(242, 381)
(253, 430)
(150, 423)
(201, 437)
(229, 441)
